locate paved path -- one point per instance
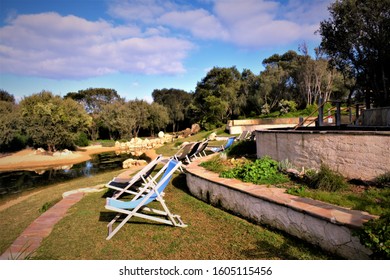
(32, 236)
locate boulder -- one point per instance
(133, 162)
(195, 128)
(212, 136)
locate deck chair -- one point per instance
(137, 207)
(201, 149)
(243, 136)
(129, 186)
(193, 151)
(182, 154)
(228, 143)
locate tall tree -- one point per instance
(9, 124)
(216, 96)
(140, 113)
(176, 101)
(158, 117)
(357, 39)
(52, 121)
(5, 96)
(93, 100)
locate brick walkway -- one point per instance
(32, 236)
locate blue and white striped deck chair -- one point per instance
(127, 186)
(228, 143)
(152, 191)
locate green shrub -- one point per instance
(383, 180)
(215, 164)
(375, 235)
(82, 140)
(242, 148)
(326, 180)
(261, 171)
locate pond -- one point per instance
(12, 182)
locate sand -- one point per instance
(28, 159)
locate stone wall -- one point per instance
(356, 155)
(318, 223)
(376, 117)
(238, 126)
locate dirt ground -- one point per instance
(29, 159)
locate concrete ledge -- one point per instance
(355, 154)
(319, 223)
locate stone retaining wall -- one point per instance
(322, 224)
(357, 155)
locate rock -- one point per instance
(212, 136)
(186, 132)
(160, 134)
(133, 162)
(195, 128)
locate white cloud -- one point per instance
(54, 46)
(199, 22)
(247, 23)
(259, 23)
(140, 10)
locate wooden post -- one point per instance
(338, 113)
(320, 112)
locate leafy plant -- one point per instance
(296, 190)
(326, 179)
(383, 180)
(242, 148)
(375, 235)
(214, 164)
(47, 205)
(261, 171)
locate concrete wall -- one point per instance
(376, 117)
(318, 223)
(238, 126)
(358, 155)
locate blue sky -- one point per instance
(136, 46)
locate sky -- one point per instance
(136, 46)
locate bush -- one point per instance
(19, 142)
(326, 180)
(242, 148)
(375, 235)
(383, 180)
(82, 140)
(261, 171)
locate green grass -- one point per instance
(372, 199)
(170, 149)
(18, 216)
(211, 234)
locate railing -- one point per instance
(333, 117)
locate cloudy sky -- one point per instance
(136, 46)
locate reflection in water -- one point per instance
(18, 181)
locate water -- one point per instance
(13, 182)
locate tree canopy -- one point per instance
(51, 121)
(357, 39)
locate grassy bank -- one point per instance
(211, 233)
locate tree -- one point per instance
(93, 100)
(357, 39)
(5, 96)
(158, 117)
(9, 126)
(176, 101)
(216, 96)
(51, 121)
(140, 113)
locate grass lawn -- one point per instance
(211, 234)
